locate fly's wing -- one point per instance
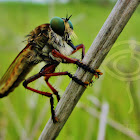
(17, 71)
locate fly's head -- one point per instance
(62, 26)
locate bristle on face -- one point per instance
(73, 35)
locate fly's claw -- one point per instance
(97, 73)
(86, 84)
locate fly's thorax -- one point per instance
(46, 50)
(59, 43)
(39, 35)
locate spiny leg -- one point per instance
(81, 46)
(70, 75)
(52, 88)
(46, 71)
(76, 48)
(96, 73)
(54, 118)
(49, 68)
(35, 77)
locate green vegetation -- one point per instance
(114, 87)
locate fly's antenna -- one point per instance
(67, 18)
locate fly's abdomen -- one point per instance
(17, 71)
(16, 77)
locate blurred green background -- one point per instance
(115, 95)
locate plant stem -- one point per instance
(100, 47)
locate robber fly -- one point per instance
(52, 44)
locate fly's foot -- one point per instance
(97, 73)
(86, 83)
(89, 83)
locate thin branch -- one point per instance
(108, 34)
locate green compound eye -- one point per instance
(70, 23)
(57, 24)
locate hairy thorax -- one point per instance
(46, 40)
(59, 43)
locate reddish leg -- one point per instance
(52, 88)
(54, 91)
(55, 53)
(81, 46)
(76, 48)
(48, 68)
(33, 78)
(65, 73)
(47, 71)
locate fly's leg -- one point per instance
(66, 73)
(80, 64)
(96, 73)
(81, 46)
(48, 68)
(47, 71)
(55, 92)
(33, 78)
(76, 48)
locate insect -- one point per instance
(52, 44)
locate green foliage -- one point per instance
(17, 20)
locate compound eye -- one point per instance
(70, 24)
(57, 25)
